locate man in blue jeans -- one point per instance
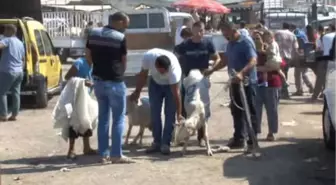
(106, 48)
(241, 57)
(166, 74)
(11, 72)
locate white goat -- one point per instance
(138, 115)
(195, 113)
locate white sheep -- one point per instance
(138, 115)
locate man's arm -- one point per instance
(71, 73)
(251, 55)
(177, 97)
(141, 80)
(221, 63)
(124, 54)
(4, 43)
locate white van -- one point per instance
(274, 21)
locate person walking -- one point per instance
(196, 53)
(288, 46)
(11, 72)
(322, 65)
(106, 50)
(164, 86)
(240, 56)
(301, 71)
(186, 24)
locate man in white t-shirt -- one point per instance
(325, 44)
(163, 84)
(186, 23)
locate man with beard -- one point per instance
(196, 53)
(240, 56)
(106, 50)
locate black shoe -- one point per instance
(154, 148)
(236, 143)
(165, 150)
(298, 93)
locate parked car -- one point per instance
(42, 66)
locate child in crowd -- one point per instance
(272, 51)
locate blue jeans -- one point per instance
(268, 96)
(10, 82)
(157, 93)
(111, 96)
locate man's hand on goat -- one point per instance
(180, 118)
(134, 96)
(207, 72)
(88, 83)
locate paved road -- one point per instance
(32, 153)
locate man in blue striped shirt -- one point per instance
(106, 48)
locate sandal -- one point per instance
(122, 160)
(12, 118)
(106, 160)
(71, 156)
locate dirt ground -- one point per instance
(33, 154)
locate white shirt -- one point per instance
(178, 38)
(244, 31)
(327, 40)
(173, 76)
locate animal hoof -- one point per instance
(209, 153)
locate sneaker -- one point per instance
(298, 93)
(311, 90)
(236, 143)
(270, 137)
(249, 149)
(154, 148)
(165, 150)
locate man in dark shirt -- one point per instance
(240, 56)
(106, 48)
(196, 53)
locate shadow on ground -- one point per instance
(294, 162)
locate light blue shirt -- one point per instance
(12, 55)
(239, 54)
(84, 70)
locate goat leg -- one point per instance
(184, 149)
(128, 134)
(207, 142)
(142, 130)
(137, 137)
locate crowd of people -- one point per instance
(259, 55)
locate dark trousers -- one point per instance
(320, 72)
(284, 89)
(239, 118)
(200, 132)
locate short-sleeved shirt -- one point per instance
(327, 43)
(12, 55)
(173, 76)
(287, 43)
(84, 70)
(107, 47)
(195, 55)
(239, 54)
